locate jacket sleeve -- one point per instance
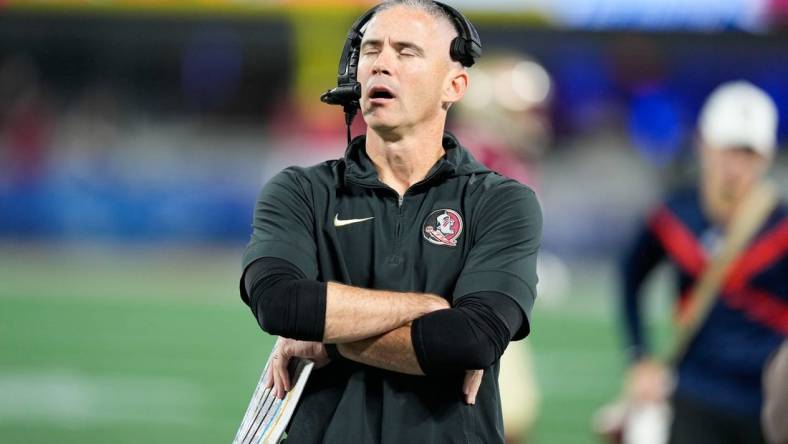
(502, 260)
(283, 226)
(283, 301)
(643, 254)
(471, 335)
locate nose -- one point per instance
(382, 63)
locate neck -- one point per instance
(404, 159)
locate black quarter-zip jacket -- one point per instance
(463, 229)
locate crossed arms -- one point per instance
(375, 327)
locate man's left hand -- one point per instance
(470, 386)
(278, 375)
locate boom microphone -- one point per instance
(343, 95)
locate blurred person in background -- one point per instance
(403, 269)
(717, 396)
(504, 117)
(504, 121)
(26, 121)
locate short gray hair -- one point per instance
(428, 6)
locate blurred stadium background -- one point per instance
(135, 135)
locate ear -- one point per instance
(455, 86)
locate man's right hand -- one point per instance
(278, 376)
(648, 381)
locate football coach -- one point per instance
(404, 268)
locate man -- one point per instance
(717, 397)
(402, 269)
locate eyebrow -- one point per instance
(397, 45)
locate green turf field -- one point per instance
(154, 346)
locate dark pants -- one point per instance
(695, 422)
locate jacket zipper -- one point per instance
(400, 198)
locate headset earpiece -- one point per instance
(459, 52)
(466, 47)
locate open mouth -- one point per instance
(380, 93)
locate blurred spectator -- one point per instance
(505, 116)
(25, 119)
(88, 131)
(717, 396)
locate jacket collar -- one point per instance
(456, 161)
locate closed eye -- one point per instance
(371, 47)
(409, 49)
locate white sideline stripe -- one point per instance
(73, 399)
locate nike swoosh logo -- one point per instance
(341, 223)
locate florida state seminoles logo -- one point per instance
(443, 227)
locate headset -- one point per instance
(465, 48)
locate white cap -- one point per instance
(739, 114)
